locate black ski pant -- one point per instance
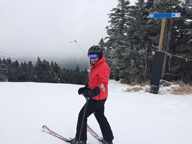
(96, 107)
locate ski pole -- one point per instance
(83, 120)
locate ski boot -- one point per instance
(109, 143)
(104, 142)
(74, 141)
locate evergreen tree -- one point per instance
(38, 71)
(137, 55)
(45, 68)
(15, 72)
(116, 36)
(70, 76)
(56, 68)
(77, 75)
(102, 44)
(3, 71)
(181, 43)
(43, 71)
(63, 75)
(23, 76)
(84, 77)
(30, 71)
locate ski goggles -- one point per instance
(94, 56)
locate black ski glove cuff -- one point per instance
(82, 89)
(91, 93)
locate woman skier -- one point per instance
(96, 91)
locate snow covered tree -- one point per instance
(180, 43)
(3, 71)
(15, 72)
(116, 36)
(137, 55)
(102, 44)
(23, 76)
(30, 71)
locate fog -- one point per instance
(48, 28)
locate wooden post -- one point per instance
(162, 34)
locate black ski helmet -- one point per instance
(95, 49)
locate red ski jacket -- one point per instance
(99, 76)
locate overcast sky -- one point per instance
(45, 28)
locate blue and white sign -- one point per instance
(165, 15)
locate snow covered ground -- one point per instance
(135, 117)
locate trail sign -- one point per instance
(165, 15)
(159, 56)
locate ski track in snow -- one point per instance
(135, 117)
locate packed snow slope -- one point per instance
(135, 117)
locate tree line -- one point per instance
(42, 71)
(132, 39)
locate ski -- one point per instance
(94, 134)
(46, 129)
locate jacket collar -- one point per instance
(102, 60)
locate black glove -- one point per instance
(82, 89)
(91, 93)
